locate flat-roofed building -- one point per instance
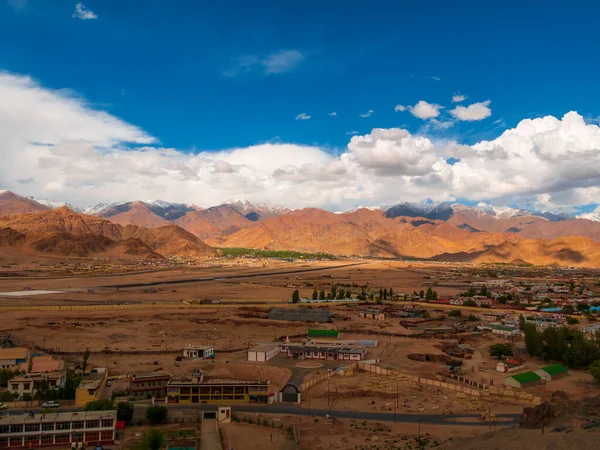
(329, 352)
(91, 387)
(30, 383)
(58, 429)
(198, 351)
(43, 364)
(148, 385)
(13, 356)
(263, 352)
(197, 390)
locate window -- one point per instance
(77, 425)
(16, 428)
(92, 424)
(3, 442)
(77, 437)
(62, 439)
(4, 429)
(93, 436)
(63, 425)
(29, 427)
(106, 436)
(32, 438)
(48, 426)
(47, 439)
(107, 423)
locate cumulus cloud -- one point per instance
(457, 98)
(302, 116)
(54, 145)
(400, 108)
(272, 64)
(81, 12)
(332, 114)
(367, 114)
(473, 112)
(424, 110)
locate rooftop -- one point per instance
(526, 377)
(57, 417)
(35, 376)
(199, 347)
(42, 364)
(146, 376)
(215, 382)
(13, 353)
(555, 369)
(264, 347)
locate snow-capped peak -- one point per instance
(592, 215)
(55, 205)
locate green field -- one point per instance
(235, 252)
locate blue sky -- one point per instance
(161, 65)
(208, 78)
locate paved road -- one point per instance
(210, 438)
(230, 277)
(293, 409)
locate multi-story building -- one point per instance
(148, 385)
(91, 387)
(58, 429)
(29, 383)
(197, 390)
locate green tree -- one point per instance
(572, 285)
(153, 439)
(315, 295)
(455, 313)
(429, 294)
(6, 397)
(469, 303)
(572, 320)
(568, 309)
(472, 318)
(348, 294)
(296, 296)
(105, 404)
(341, 294)
(157, 414)
(583, 307)
(595, 370)
(86, 356)
(554, 343)
(391, 293)
(484, 291)
(322, 295)
(125, 411)
(333, 291)
(363, 295)
(521, 322)
(425, 315)
(533, 340)
(371, 296)
(500, 350)
(435, 296)
(385, 294)
(381, 293)
(422, 293)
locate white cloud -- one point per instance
(457, 98)
(272, 64)
(81, 12)
(54, 145)
(367, 114)
(435, 78)
(351, 133)
(473, 112)
(333, 114)
(399, 108)
(592, 215)
(424, 110)
(302, 116)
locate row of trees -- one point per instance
(562, 344)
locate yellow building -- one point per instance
(91, 387)
(197, 390)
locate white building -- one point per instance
(198, 351)
(263, 352)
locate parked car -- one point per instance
(109, 383)
(50, 404)
(3, 406)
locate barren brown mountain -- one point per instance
(11, 203)
(66, 232)
(134, 213)
(216, 221)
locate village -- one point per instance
(468, 346)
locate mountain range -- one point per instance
(450, 232)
